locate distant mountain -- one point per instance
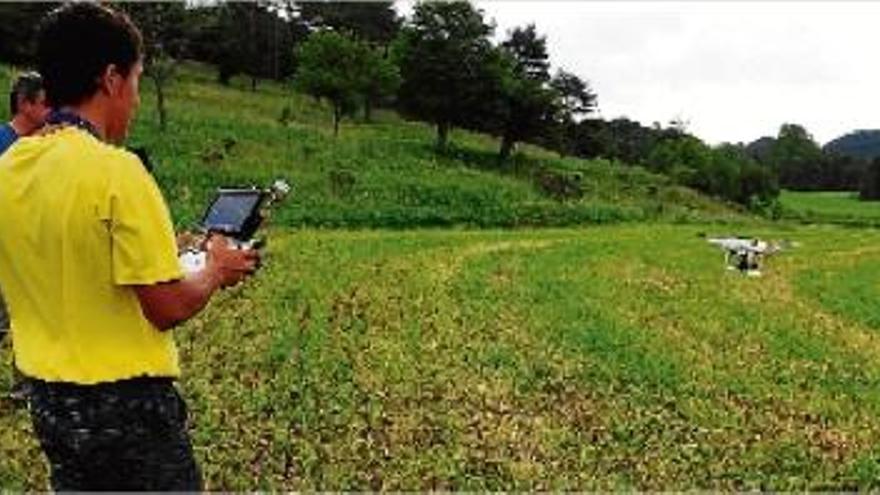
(863, 144)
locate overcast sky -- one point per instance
(734, 71)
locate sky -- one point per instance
(732, 71)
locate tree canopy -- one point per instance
(446, 65)
(332, 67)
(375, 22)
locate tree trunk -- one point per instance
(254, 83)
(337, 114)
(442, 135)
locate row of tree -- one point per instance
(256, 39)
(791, 160)
(451, 74)
(441, 66)
(803, 165)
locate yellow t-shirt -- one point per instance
(82, 221)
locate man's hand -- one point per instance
(228, 264)
(170, 303)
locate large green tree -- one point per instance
(375, 22)
(527, 103)
(445, 59)
(332, 66)
(252, 38)
(682, 157)
(575, 100)
(797, 158)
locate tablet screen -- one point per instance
(231, 210)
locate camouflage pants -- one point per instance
(123, 436)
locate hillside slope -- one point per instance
(864, 144)
(380, 174)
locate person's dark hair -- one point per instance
(27, 85)
(76, 43)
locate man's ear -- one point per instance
(108, 82)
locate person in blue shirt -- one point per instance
(27, 105)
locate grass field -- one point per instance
(841, 207)
(600, 358)
(593, 357)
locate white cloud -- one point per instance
(735, 70)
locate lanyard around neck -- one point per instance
(66, 117)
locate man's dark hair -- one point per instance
(27, 85)
(76, 43)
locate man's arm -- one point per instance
(167, 304)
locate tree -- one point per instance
(527, 104)
(589, 138)
(331, 66)
(251, 38)
(375, 22)
(529, 53)
(445, 59)
(630, 142)
(726, 171)
(163, 26)
(380, 79)
(576, 97)
(724, 175)
(576, 100)
(18, 27)
(671, 156)
(796, 158)
(758, 184)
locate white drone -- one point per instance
(746, 253)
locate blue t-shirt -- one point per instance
(7, 137)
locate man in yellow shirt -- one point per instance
(89, 265)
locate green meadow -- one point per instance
(839, 207)
(435, 322)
